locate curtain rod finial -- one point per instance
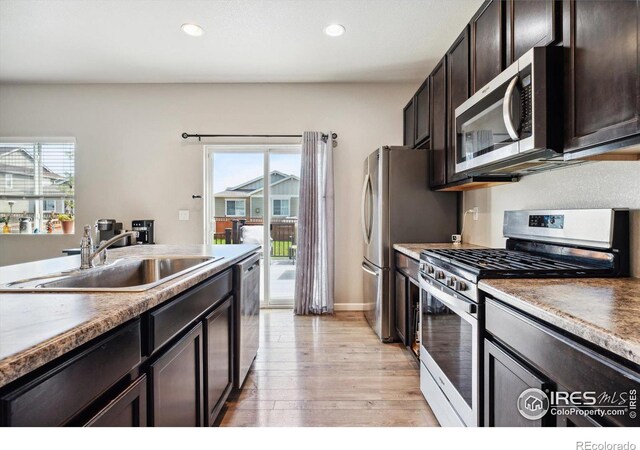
(185, 135)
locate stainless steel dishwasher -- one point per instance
(246, 317)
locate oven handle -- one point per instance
(506, 109)
(455, 304)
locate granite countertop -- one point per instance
(36, 328)
(603, 311)
(413, 250)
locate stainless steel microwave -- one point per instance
(513, 125)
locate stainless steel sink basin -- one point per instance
(129, 274)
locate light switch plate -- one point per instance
(183, 214)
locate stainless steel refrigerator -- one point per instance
(397, 207)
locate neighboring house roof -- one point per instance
(238, 192)
(26, 170)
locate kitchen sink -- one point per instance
(128, 274)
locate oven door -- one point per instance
(449, 346)
(494, 125)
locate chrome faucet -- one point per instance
(87, 254)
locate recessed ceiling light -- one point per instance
(334, 30)
(192, 29)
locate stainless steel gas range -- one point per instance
(540, 243)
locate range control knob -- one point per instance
(439, 275)
(430, 268)
(459, 285)
(450, 281)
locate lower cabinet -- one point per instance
(401, 307)
(504, 380)
(177, 383)
(218, 362)
(129, 409)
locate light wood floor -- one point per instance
(327, 371)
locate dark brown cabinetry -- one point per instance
(423, 106)
(176, 383)
(602, 74)
(407, 301)
(401, 307)
(487, 55)
(504, 380)
(409, 123)
(529, 23)
(218, 361)
(438, 148)
(458, 90)
(129, 409)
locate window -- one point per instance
(280, 207)
(39, 182)
(235, 208)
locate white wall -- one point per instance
(592, 185)
(131, 162)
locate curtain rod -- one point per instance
(200, 136)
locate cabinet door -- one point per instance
(602, 74)
(529, 23)
(438, 149)
(422, 113)
(486, 43)
(217, 359)
(409, 125)
(504, 380)
(176, 383)
(129, 409)
(401, 307)
(457, 91)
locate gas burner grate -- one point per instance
(507, 260)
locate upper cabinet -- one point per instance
(528, 24)
(487, 54)
(458, 89)
(422, 105)
(602, 74)
(438, 149)
(409, 123)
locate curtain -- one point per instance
(314, 273)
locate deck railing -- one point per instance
(283, 233)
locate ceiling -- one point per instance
(140, 41)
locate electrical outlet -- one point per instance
(183, 214)
(475, 213)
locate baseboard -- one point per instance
(348, 306)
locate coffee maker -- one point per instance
(108, 228)
(145, 229)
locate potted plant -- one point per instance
(5, 227)
(67, 223)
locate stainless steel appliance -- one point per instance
(541, 243)
(146, 231)
(397, 206)
(246, 317)
(513, 125)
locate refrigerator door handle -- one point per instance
(366, 231)
(369, 271)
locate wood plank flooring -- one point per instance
(327, 371)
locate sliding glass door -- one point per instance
(242, 208)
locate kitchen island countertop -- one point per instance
(37, 327)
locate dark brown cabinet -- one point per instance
(438, 148)
(176, 383)
(529, 23)
(422, 105)
(504, 380)
(487, 55)
(458, 90)
(401, 307)
(409, 123)
(407, 301)
(602, 74)
(129, 409)
(218, 361)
